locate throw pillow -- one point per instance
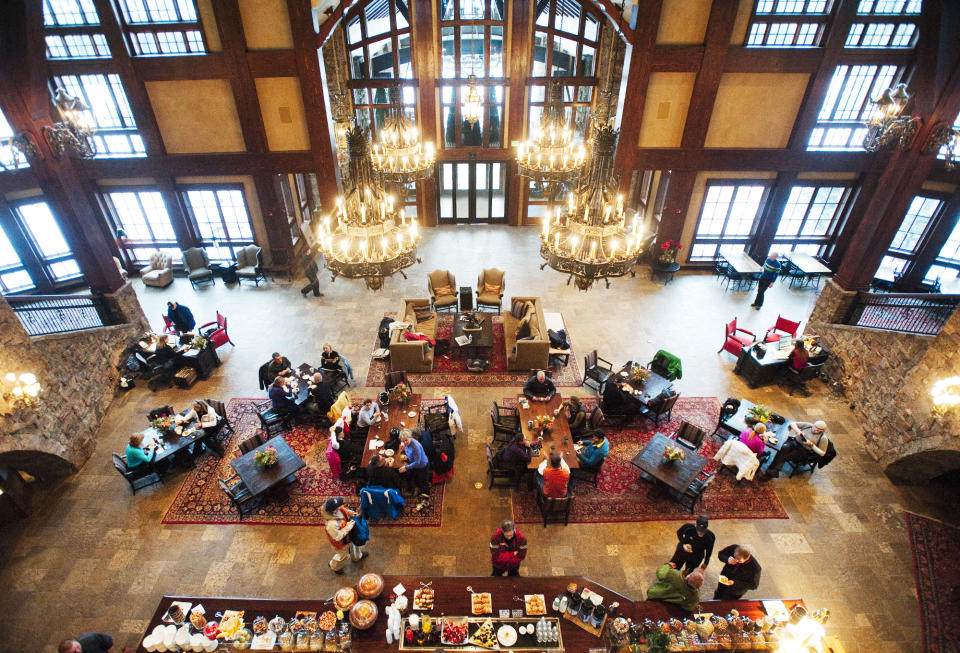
(443, 291)
(423, 313)
(491, 289)
(517, 308)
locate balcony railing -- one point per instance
(909, 313)
(46, 314)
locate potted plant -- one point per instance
(668, 252)
(758, 413)
(266, 457)
(401, 392)
(639, 374)
(672, 453)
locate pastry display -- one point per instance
(198, 620)
(482, 604)
(311, 624)
(423, 599)
(370, 586)
(260, 626)
(535, 604)
(363, 614)
(277, 625)
(345, 598)
(327, 620)
(296, 626)
(484, 636)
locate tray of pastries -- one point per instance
(423, 599)
(345, 598)
(370, 586)
(363, 614)
(534, 604)
(481, 603)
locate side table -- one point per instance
(665, 270)
(466, 299)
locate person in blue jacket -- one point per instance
(593, 453)
(416, 466)
(181, 317)
(282, 397)
(136, 456)
(771, 270)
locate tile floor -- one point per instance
(93, 557)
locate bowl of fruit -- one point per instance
(454, 631)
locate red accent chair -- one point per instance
(168, 325)
(783, 327)
(218, 335)
(733, 342)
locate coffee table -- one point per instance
(675, 475)
(482, 339)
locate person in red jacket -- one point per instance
(508, 548)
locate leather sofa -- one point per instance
(527, 354)
(413, 355)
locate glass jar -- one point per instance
(599, 612)
(586, 609)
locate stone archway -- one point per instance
(41, 464)
(924, 466)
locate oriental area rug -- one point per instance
(623, 496)
(451, 370)
(936, 567)
(201, 501)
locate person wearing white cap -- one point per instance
(805, 439)
(340, 522)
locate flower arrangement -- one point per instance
(401, 392)
(266, 457)
(672, 453)
(759, 413)
(639, 374)
(543, 422)
(163, 423)
(669, 250)
(198, 343)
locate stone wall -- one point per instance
(887, 377)
(78, 378)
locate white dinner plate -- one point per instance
(507, 635)
(412, 413)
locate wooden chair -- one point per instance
(271, 421)
(660, 408)
(596, 369)
(494, 277)
(395, 378)
(239, 495)
(727, 410)
(694, 492)
(139, 477)
(783, 327)
(808, 464)
(444, 282)
(221, 410)
(160, 412)
(587, 474)
(690, 436)
(555, 509)
(496, 469)
(797, 379)
(436, 419)
(506, 422)
(248, 445)
(615, 415)
(732, 341)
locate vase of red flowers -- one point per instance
(668, 252)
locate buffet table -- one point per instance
(452, 598)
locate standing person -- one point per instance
(417, 466)
(89, 643)
(673, 587)
(333, 451)
(771, 270)
(341, 521)
(740, 573)
(508, 548)
(694, 546)
(181, 317)
(310, 271)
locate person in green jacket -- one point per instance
(672, 587)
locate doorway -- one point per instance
(472, 192)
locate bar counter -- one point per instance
(453, 599)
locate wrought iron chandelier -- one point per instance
(342, 123)
(949, 135)
(589, 238)
(472, 102)
(398, 156)
(552, 159)
(372, 238)
(889, 121)
(75, 132)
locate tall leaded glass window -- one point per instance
(162, 27)
(13, 276)
(47, 240)
(10, 158)
(810, 218)
(220, 215)
(903, 249)
(848, 104)
(788, 23)
(115, 130)
(728, 218)
(143, 217)
(72, 30)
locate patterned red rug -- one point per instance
(936, 551)
(201, 501)
(622, 496)
(451, 370)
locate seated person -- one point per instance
(369, 413)
(755, 438)
(553, 480)
(164, 353)
(799, 357)
(594, 451)
(805, 440)
(618, 399)
(321, 396)
(282, 397)
(200, 411)
(136, 456)
(576, 417)
(278, 366)
(329, 359)
(382, 474)
(425, 439)
(517, 454)
(672, 587)
(539, 387)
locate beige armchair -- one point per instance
(159, 273)
(444, 282)
(250, 264)
(197, 264)
(492, 296)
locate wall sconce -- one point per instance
(21, 145)
(76, 130)
(23, 388)
(889, 123)
(945, 134)
(946, 393)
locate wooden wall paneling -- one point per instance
(333, 21)
(281, 63)
(748, 159)
(674, 214)
(17, 180)
(762, 241)
(741, 59)
(425, 67)
(315, 102)
(723, 14)
(187, 235)
(212, 65)
(520, 31)
(190, 165)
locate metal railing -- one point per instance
(909, 313)
(46, 314)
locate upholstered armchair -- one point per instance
(197, 264)
(443, 290)
(490, 285)
(159, 273)
(250, 264)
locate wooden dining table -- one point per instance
(557, 439)
(676, 475)
(648, 390)
(810, 268)
(397, 417)
(174, 444)
(740, 261)
(260, 480)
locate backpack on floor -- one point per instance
(383, 332)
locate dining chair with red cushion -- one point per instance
(783, 327)
(733, 342)
(218, 335)
(168, 325)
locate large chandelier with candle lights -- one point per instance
(552, 159)
(891, 121)
(589, 237)
(368, 236)
(472, 102)
(398, 155)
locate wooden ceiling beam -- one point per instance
(185, 165)
(748, 159)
